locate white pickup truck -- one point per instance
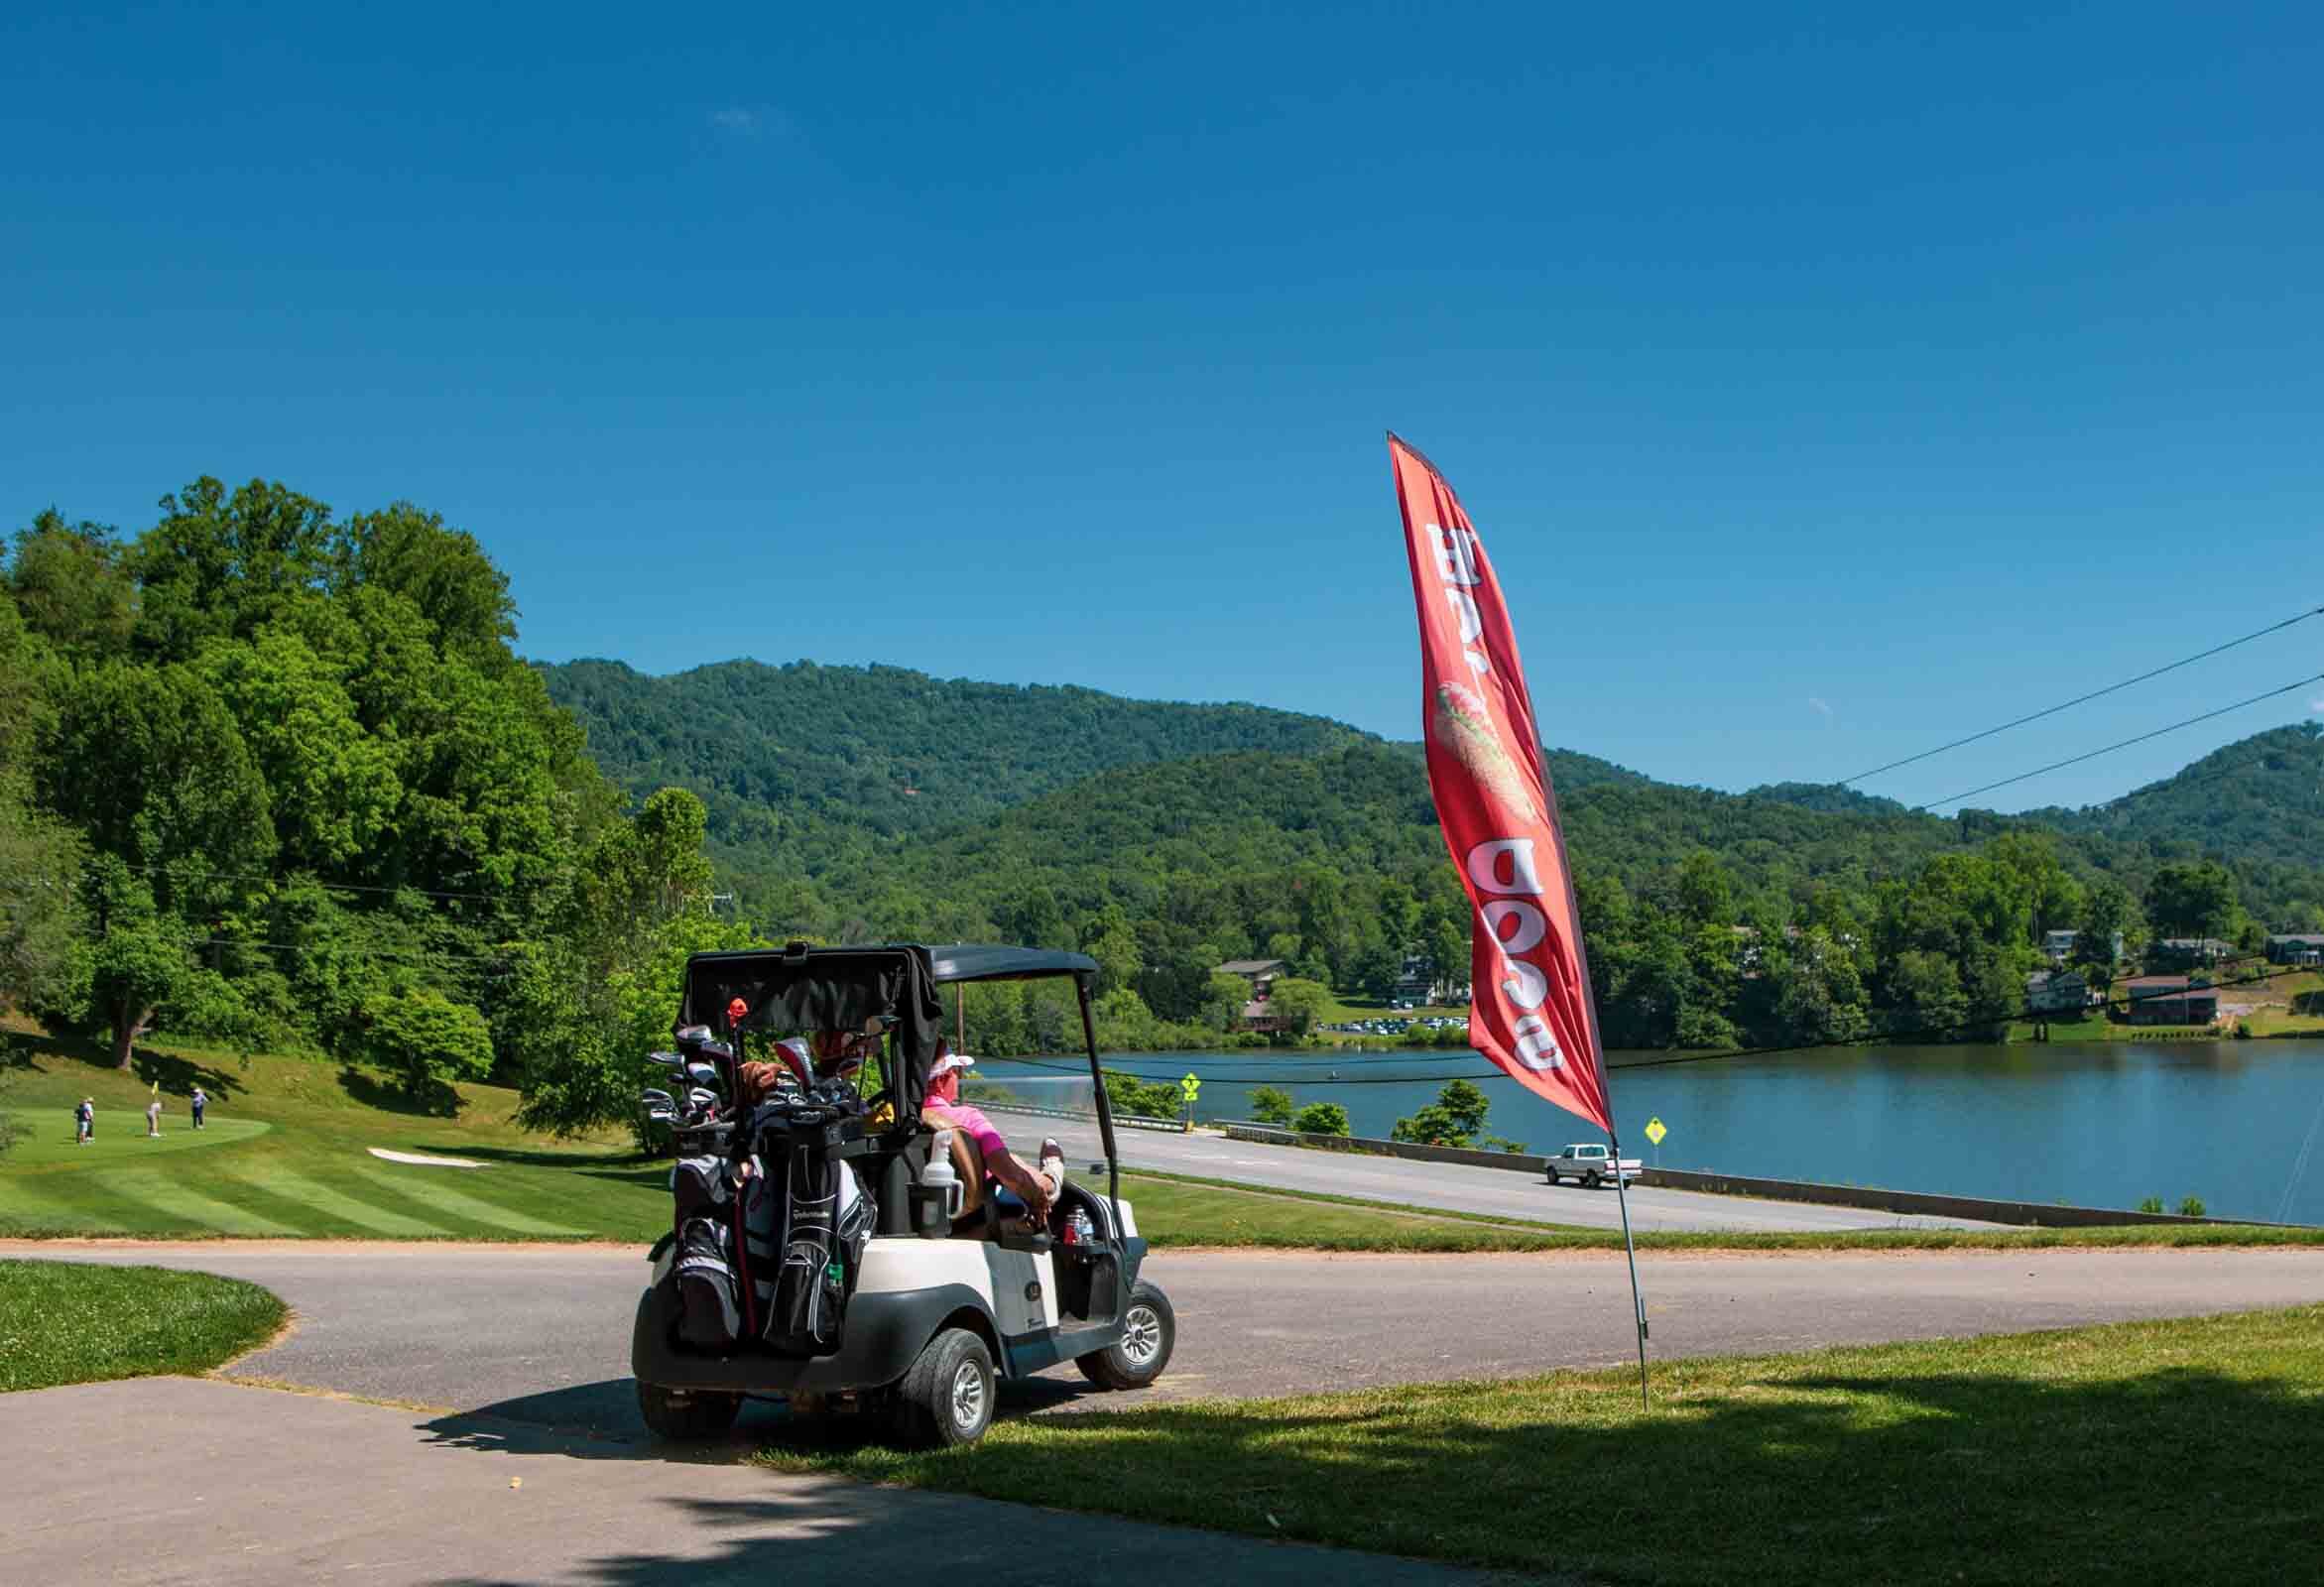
(1591, 1165)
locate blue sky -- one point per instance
(1824, 387)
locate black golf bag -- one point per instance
(771, 1255)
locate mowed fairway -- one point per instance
(285, 1152)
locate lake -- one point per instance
(2097, 1124)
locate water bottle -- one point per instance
(938, 1175)
(1079, 1231)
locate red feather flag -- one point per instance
(1530, 1008)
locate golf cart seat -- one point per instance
(988, 1212)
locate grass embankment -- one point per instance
(1232, 1216)
(2161, 1451)
(67, 1322)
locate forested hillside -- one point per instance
(2261, 799)
(1712, 918)
(797, 763)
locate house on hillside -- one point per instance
(2059, 945)
(1421, 982)
(2056, 992)
(2186, 952)
(2296, 947)
(1262, 974)
(2170, 999)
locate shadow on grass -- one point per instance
(437, 1102)
(1811, 1479)
(177, 1075)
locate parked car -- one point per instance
(1591, 1164)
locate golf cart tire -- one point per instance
(687, 1415)
(946, 1399)
(1139, 1355)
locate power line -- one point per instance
(2076, 759)
(158, 868)
(413, 955)
(2084, 699)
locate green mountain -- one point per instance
(2261, 799)
(808, 761)
(851, 804)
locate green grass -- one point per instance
(67, 1322)
(286, 1154)
(2182, 1451)
(1172, 1214)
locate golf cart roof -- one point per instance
(984, 961)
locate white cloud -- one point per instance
(1824, 710)
(2316, 707)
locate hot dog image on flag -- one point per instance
(1530, 1008)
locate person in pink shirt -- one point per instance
(943, 1109)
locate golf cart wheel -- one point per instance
(1150, 1332)
(946, 1399)
(687, 1415)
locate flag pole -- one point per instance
(1581, 959)
(1637, 1300)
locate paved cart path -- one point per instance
(179, 1481)
(540, 1333)
(1451, 1186)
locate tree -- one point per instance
(428, 1042)
(1706, 897)
(1321, 1118)
(70, 582)
(1143, 1099)
(1301, 1002)
(40, 861)
(219, 565)
(148, 764)
(332, 786)
(1271, 1104)
(1222, 1001)
(595, 991)
(1455, 1119)
(2193, 900)
(136, 967)
(2109, 915)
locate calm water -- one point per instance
(2101, 1124)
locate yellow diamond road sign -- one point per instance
(1191, 1086)
(1656, 1132)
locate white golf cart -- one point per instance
(856, 1269)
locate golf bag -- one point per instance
(707, 1272)
(772, 1255)
(827, 1218)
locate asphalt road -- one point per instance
(191, 1483)
(539, 1334)
(1453, 1186)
